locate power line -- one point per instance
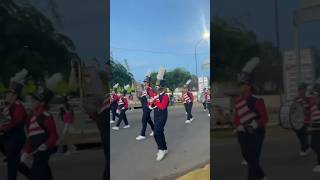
(155, 52)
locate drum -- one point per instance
(291, 116)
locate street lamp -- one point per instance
(205, 36)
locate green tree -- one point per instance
(29, 40)
(119, 74)
(176, 78)
(234, 45)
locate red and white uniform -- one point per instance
(245, 115)
(305, 102)
(114, 98)
(187, 97)
(41, 129)
(16, 117)
(149, 91)
(123, 103)
(314, 113)
(207, 96)
(161, 101)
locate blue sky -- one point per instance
(150, 33)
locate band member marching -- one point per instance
(315, 123)
(203, 99)
(42, 132)
(250, 120)
(188, 102)
(146, 117)
(207, 100)
(13, 128)
(121, 110)
(160, 102)
(302, 134)
(114, 103)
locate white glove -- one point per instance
(42, 147)
(254, 124)
(24, 157)
(240, 128)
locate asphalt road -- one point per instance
(280, 159)
(188, 145)
(80, 165)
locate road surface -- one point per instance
(280, 158)
(81, 165)
(188, 145)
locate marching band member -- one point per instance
(114, 103)
(315, 123)
(203, 94)
(250, 120)
(130, 98)
(13, 129)
(188, 101)
(42, 132)
(160, 102)
(207, 100)
(302, 134)
(146, 117)
(121, 110)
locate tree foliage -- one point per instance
(176, 78)
(29, 40)
(234, 45)
(119, 74)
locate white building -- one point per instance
(203, 83)
(290, 70)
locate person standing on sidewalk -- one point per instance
(67, 117)
(146, 111)
(250, 120)
(302, 133)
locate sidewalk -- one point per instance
(198, 174)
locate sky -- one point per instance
(85, 22)
(259, 17)
(150, 34)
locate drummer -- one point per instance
(302, 133)
(315, 124)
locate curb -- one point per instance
(183, 173)
(198, 174)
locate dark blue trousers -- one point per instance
(251, 146)
(13, 145)
(160, 119)
(123, 117)
(189, 110)
(114, 111)
(40, 168)
(146, 119)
